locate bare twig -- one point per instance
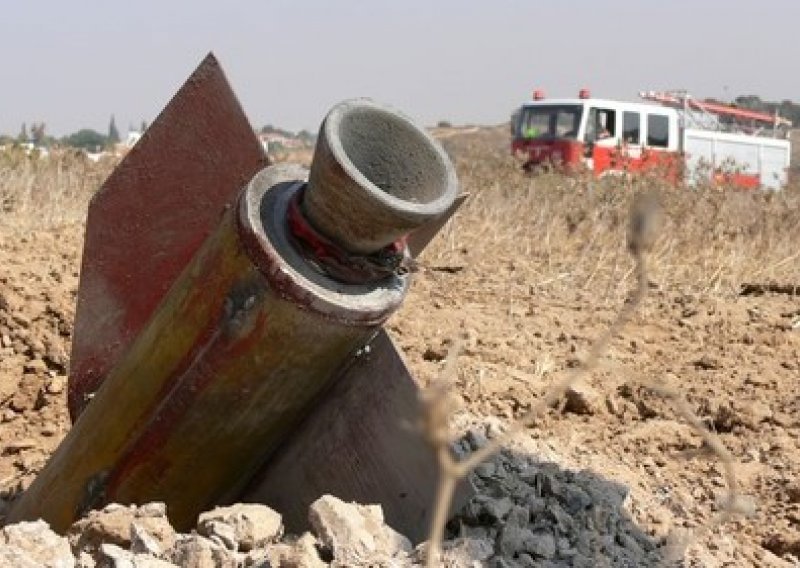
(643, 218)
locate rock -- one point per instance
(49, 430)
(34, 544)
(152, 509)
(752, 414)
(305, 552)
(18, 558)
(500, 562)
(114, 525)
(723, 416)
(626, 541)
(112, 556)
(41, 400)
(355, 533)
(498, 509)
(35, 366)
(513, 540)
(575, 499)
(614, 405)
(55, 385)
(483, 510)
(793, 491)
(485, 469)
(302, 553)
(582, 399)
(541, 545)
(708, 363)
(536, 505)
(16, 446)
(253, 525)
(565, 549)
(86, 560)
(495, 427)
(477, 533)
(26, 394)
(476, 439)
(435, 355)
(519, 516)
(466, 553)
(221, 533)
(142, 542)
(195, 551)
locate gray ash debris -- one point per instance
(535, 513)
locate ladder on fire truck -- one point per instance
(709, 115)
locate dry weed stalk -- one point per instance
(439, 402)
(45, 192)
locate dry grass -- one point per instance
(572, 229)
(49, 192)
(44, 193)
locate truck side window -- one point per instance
(658, 130)
(631, 127)
(601, 124)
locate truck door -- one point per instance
(601, 124)
(632, 134)
(601, 138)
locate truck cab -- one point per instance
(598, 134)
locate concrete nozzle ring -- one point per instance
(375, 177)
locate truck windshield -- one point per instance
(549, 121)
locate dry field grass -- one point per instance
(530, 272)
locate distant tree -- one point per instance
(790, 110)
(143, 126)
(23, 134)
(786, 108)
(5, 139)
(752, 102)
(113, 133)
(270, 129)
(306, 136)
(86, 139)
(38, 135)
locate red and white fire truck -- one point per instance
(686, 138)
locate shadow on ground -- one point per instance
(527, 512)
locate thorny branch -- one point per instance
(439, 402)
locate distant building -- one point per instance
(132, 138)
(273, 142)
(28, 147)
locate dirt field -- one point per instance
(530, 272)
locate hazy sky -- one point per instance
(73, 63)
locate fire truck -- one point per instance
(685, 138)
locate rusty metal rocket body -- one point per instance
(192, 388)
